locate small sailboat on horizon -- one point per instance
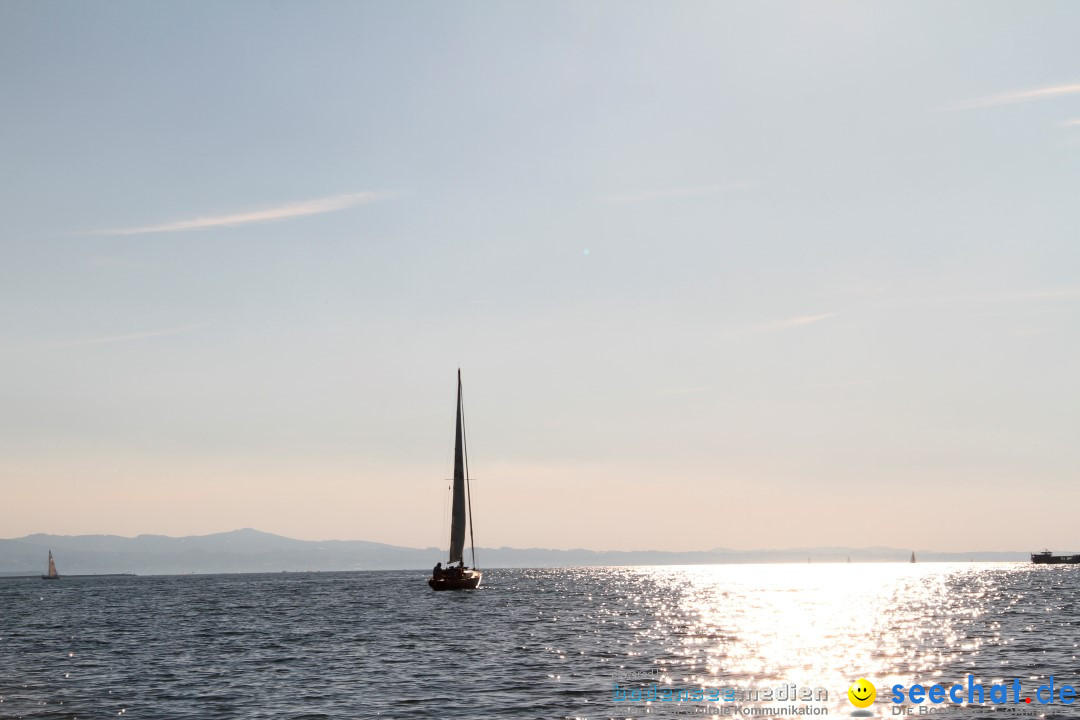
(52, 574)
(459, 577)
(912, 556)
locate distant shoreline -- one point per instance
(495, 568)
(252, 551)
(39, 577)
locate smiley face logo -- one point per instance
(862, 693)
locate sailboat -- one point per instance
(53, 575)
(459, 577)
(912, 556)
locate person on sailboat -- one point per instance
(437, 571)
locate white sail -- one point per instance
(457, 515)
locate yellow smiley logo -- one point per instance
(862, 693)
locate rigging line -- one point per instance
(442, 524)
(448, 464)
(468, 484)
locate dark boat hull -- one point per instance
(1045, 558)
(470, 581)
(50, 577)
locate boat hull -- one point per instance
(469, 581)
(1045, 558)
(50, 577)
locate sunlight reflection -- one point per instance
(820, 625)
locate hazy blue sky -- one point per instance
(717, 274)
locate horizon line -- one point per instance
(834, 549)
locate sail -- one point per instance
(457, 519)
(52, 565)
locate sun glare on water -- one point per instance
(816, 625)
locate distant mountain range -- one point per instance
(254, 551)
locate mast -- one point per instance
(457, 516)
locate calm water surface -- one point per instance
(529, 644)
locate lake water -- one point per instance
(529, 643)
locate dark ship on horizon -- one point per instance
(1048, 558)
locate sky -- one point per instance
(744, 275)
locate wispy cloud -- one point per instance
(281, 212)
(849, 383)
(1062, 293)
(794, 322)
(101, 340)
(1071, 123)
(112, 263)
(675, 392)
(647, 195)
(1018, 97)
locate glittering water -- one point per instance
(530, 644)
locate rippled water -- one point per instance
(529, 644)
